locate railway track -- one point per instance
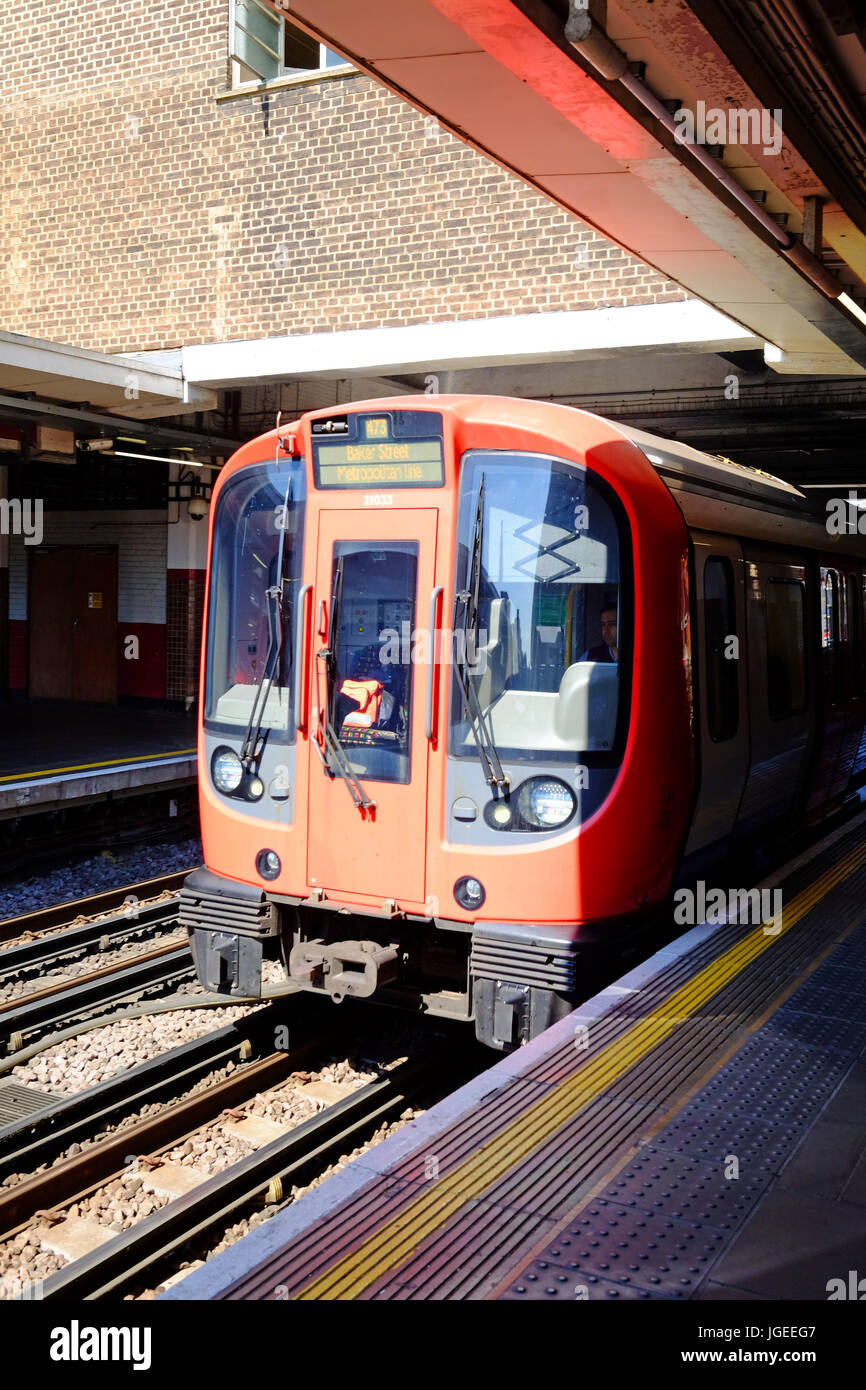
(74, 1147)
(174, 1112)
(167, 1082)
(138, 1258)
(52, 950)
(146, 910)
(38, 1136)
(31, 1017)
(134, 897)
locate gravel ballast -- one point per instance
(79, 878)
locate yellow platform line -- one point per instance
(394, 1243)
(111, 762)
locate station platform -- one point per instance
(695, 1131)
(55, 753)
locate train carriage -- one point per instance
(482, 680)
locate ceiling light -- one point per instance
(162, 458)
(852, 307)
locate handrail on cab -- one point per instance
(432, 627)
(301, 650)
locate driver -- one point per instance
(607, 649)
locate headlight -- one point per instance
(268, 863)
(544, 803)
(469, 893)
(226, 769)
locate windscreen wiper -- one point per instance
(331, 750)
(469, 600)
(251, 747)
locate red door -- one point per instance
(375, 573)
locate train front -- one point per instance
(419, 766)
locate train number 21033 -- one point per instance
(378, 499)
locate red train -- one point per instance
(483, 680)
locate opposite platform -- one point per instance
(53, 753)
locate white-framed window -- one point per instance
(264, 45)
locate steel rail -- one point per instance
(130, 1257)
(77, 1177)
(62, 914)
(32, 1014)
(73, 941)
(39, 1137)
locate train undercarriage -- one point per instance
(512, 979)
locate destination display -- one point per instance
(377, 457)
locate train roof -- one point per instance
(717, 494)
(712, 492)
(672, 459)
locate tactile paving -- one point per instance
(540, 1282)
(634, 1250)
(688, 1188)
(636, 1184)
(836, 992)
(756, 1109)
(764, 1100)
(808, 1053)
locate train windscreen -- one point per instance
(540, 619)
(372, 606)
(257, 554)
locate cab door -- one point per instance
(375, 572)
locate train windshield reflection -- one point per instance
(255, 508)
(550, 617)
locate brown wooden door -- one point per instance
(73, 624)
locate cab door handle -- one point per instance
(431, 719)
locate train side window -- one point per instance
(720, 624)
(855, 633)
(786, 648)
(831, 645)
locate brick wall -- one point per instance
(143, 213)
